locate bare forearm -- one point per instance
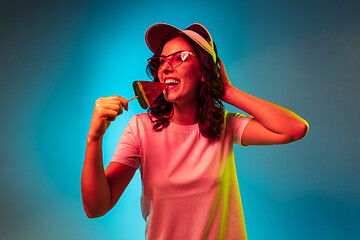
(274, 117)
(95, 189)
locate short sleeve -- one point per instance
(128, 149)
(237, 122)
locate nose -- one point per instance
(166, 67)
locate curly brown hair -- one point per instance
(210, 115)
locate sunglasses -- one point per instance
(174, 59)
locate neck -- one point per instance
(185, 114)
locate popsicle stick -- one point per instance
(133, 98)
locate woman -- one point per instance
(184, 145)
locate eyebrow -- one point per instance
(173, 53)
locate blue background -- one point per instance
(58, 57)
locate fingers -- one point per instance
(124, 103)
(110, 107)
(106, 110)
(220, 62)
(223, 74)
(107, 114)
(222, 67)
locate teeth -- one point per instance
(174, 81)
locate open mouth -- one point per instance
(172, 82)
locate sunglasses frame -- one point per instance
(158, 62)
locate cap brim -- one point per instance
(200, 29)
(157, 33)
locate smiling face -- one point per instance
(187, 75)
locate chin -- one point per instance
(170, 98)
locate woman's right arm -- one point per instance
(101, 189)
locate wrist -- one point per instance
(228, 89)
(94, 138)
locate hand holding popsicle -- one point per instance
(105, 111)
(108, 108)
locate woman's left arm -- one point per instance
(272, 124)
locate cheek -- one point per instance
(195, 76)
(159, 75)
(197, 73)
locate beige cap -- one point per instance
(197, 32)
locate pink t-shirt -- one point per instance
(190, 187)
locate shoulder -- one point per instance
(236, 122)
(138, 121)
(140, 118)
(235, 125)
(236, 118)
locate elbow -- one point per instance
(299, 131)
(94, 204)
(93, 214)
(94, 210)
(90, 215)
(303, 129)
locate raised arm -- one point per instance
(272, 124)
(101, 189)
